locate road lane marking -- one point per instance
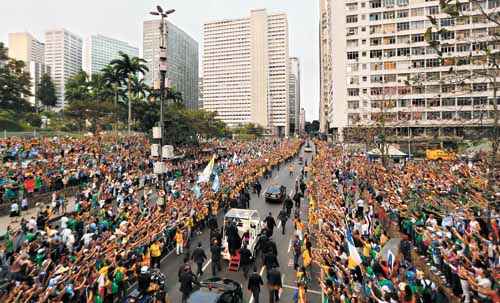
(279, 224)
(206, 265)
(316, 292)
(289, 245)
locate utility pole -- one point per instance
(163, 72)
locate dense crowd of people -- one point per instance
(368, 220)
(124, 219)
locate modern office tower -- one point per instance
(246, 70)
(325, 49)
(63, 54)
(182, 59)
(294, 95)
(383, 67)
(200, 93)
(24, 47)
(99, 51)
(302, 121)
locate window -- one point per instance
(434, 102)
(353, 104)
(417, 38)
(352, 19)
(353, 117)
(404, 51)
(463, 20)
(390, 78)
(414, 12)
(352, 31)
(402, 13)
(354, 80)
(402, 103)
(376, 79)
(464, 101)
(375, 3)
(376, 53)
(352, 43)
(404, 39)
(418, 102)
(389, 65)
(447, 49)
(446, 35)
(418, 51)
(493, 4)
(417, 24)
(463, 61)
(450, 88)
(432, 62)
(433, 115)
(389, 15)
(389, 40)
(375, 41)
(479, 87)
(389, 3)
(479, 101)
(389, 53)
(402, 2)
(351, 6)
(418, 63)
(375, 16)
(465, 115)
(353, 92)
(447, 22)
(448, 101)
(403, 26)
(447, 115)
(352, 55)
(463, 47)
(432, 10)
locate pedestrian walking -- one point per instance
(187, 280)
(299, 228)
(297, 251)
(216, 251)
(270, 223)
(258, 188)
(245, 260)
(179, 242)
(283, 217)
(296, 198)
(254, 284)
(199, 258)
(155, 253)
(288, 205)
(274, 284)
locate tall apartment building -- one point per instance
(182, 59)
(99, 50)
(246, 70)
(302, 121)
(24, 47)
(200, 92)
(384, 47)
(325, 49)
(294, 95)
(63, 53)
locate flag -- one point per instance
(216, 184)
(197, 191)
(207, 172)
(390, 259)
(354, 258)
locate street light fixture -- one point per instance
(162, 67)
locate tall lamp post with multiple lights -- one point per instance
(163, 72)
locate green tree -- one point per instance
(82, 112)
(77, 88)
(113, 79)
(99, 90)
(46, 92)
(15, 84)
(127, 67)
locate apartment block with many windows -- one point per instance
(246, 70)
(383, 65)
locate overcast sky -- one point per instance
(122, 19)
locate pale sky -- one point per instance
(122, 19)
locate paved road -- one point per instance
(172, 263)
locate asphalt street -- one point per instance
(172, 262)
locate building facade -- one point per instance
(302, 121)
(24, 47)
(99, 51)
(294, 95)
(200, 92)
(63, 54)
(246, 70)
(325, 49)
(384, 67)
(182, 59)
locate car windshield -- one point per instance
(204, 296)
(273, 190)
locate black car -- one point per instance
(217, 290)
(275, 193)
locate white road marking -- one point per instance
(206, 265)
(279, 224)
(316, 292)
(289, 245)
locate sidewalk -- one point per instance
(5, 221)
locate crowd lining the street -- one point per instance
(367, 219)
(124, 217)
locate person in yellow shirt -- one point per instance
(179, 241)
(155, 252)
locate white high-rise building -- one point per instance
(182, 59)
(246, 70)
(325, 49)
(302, 121)
(24, 47)
(294, 91)
(63, 54)
(99, 51)
(379, 49)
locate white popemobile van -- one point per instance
(246, 219)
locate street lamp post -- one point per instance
(163, 71)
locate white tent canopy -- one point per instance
(392, 151)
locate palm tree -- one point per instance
(174, 95)
(128, 67)
(139, 88)
(112, 77)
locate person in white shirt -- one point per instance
(14, 209)
(24, 204)
(87, 238)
